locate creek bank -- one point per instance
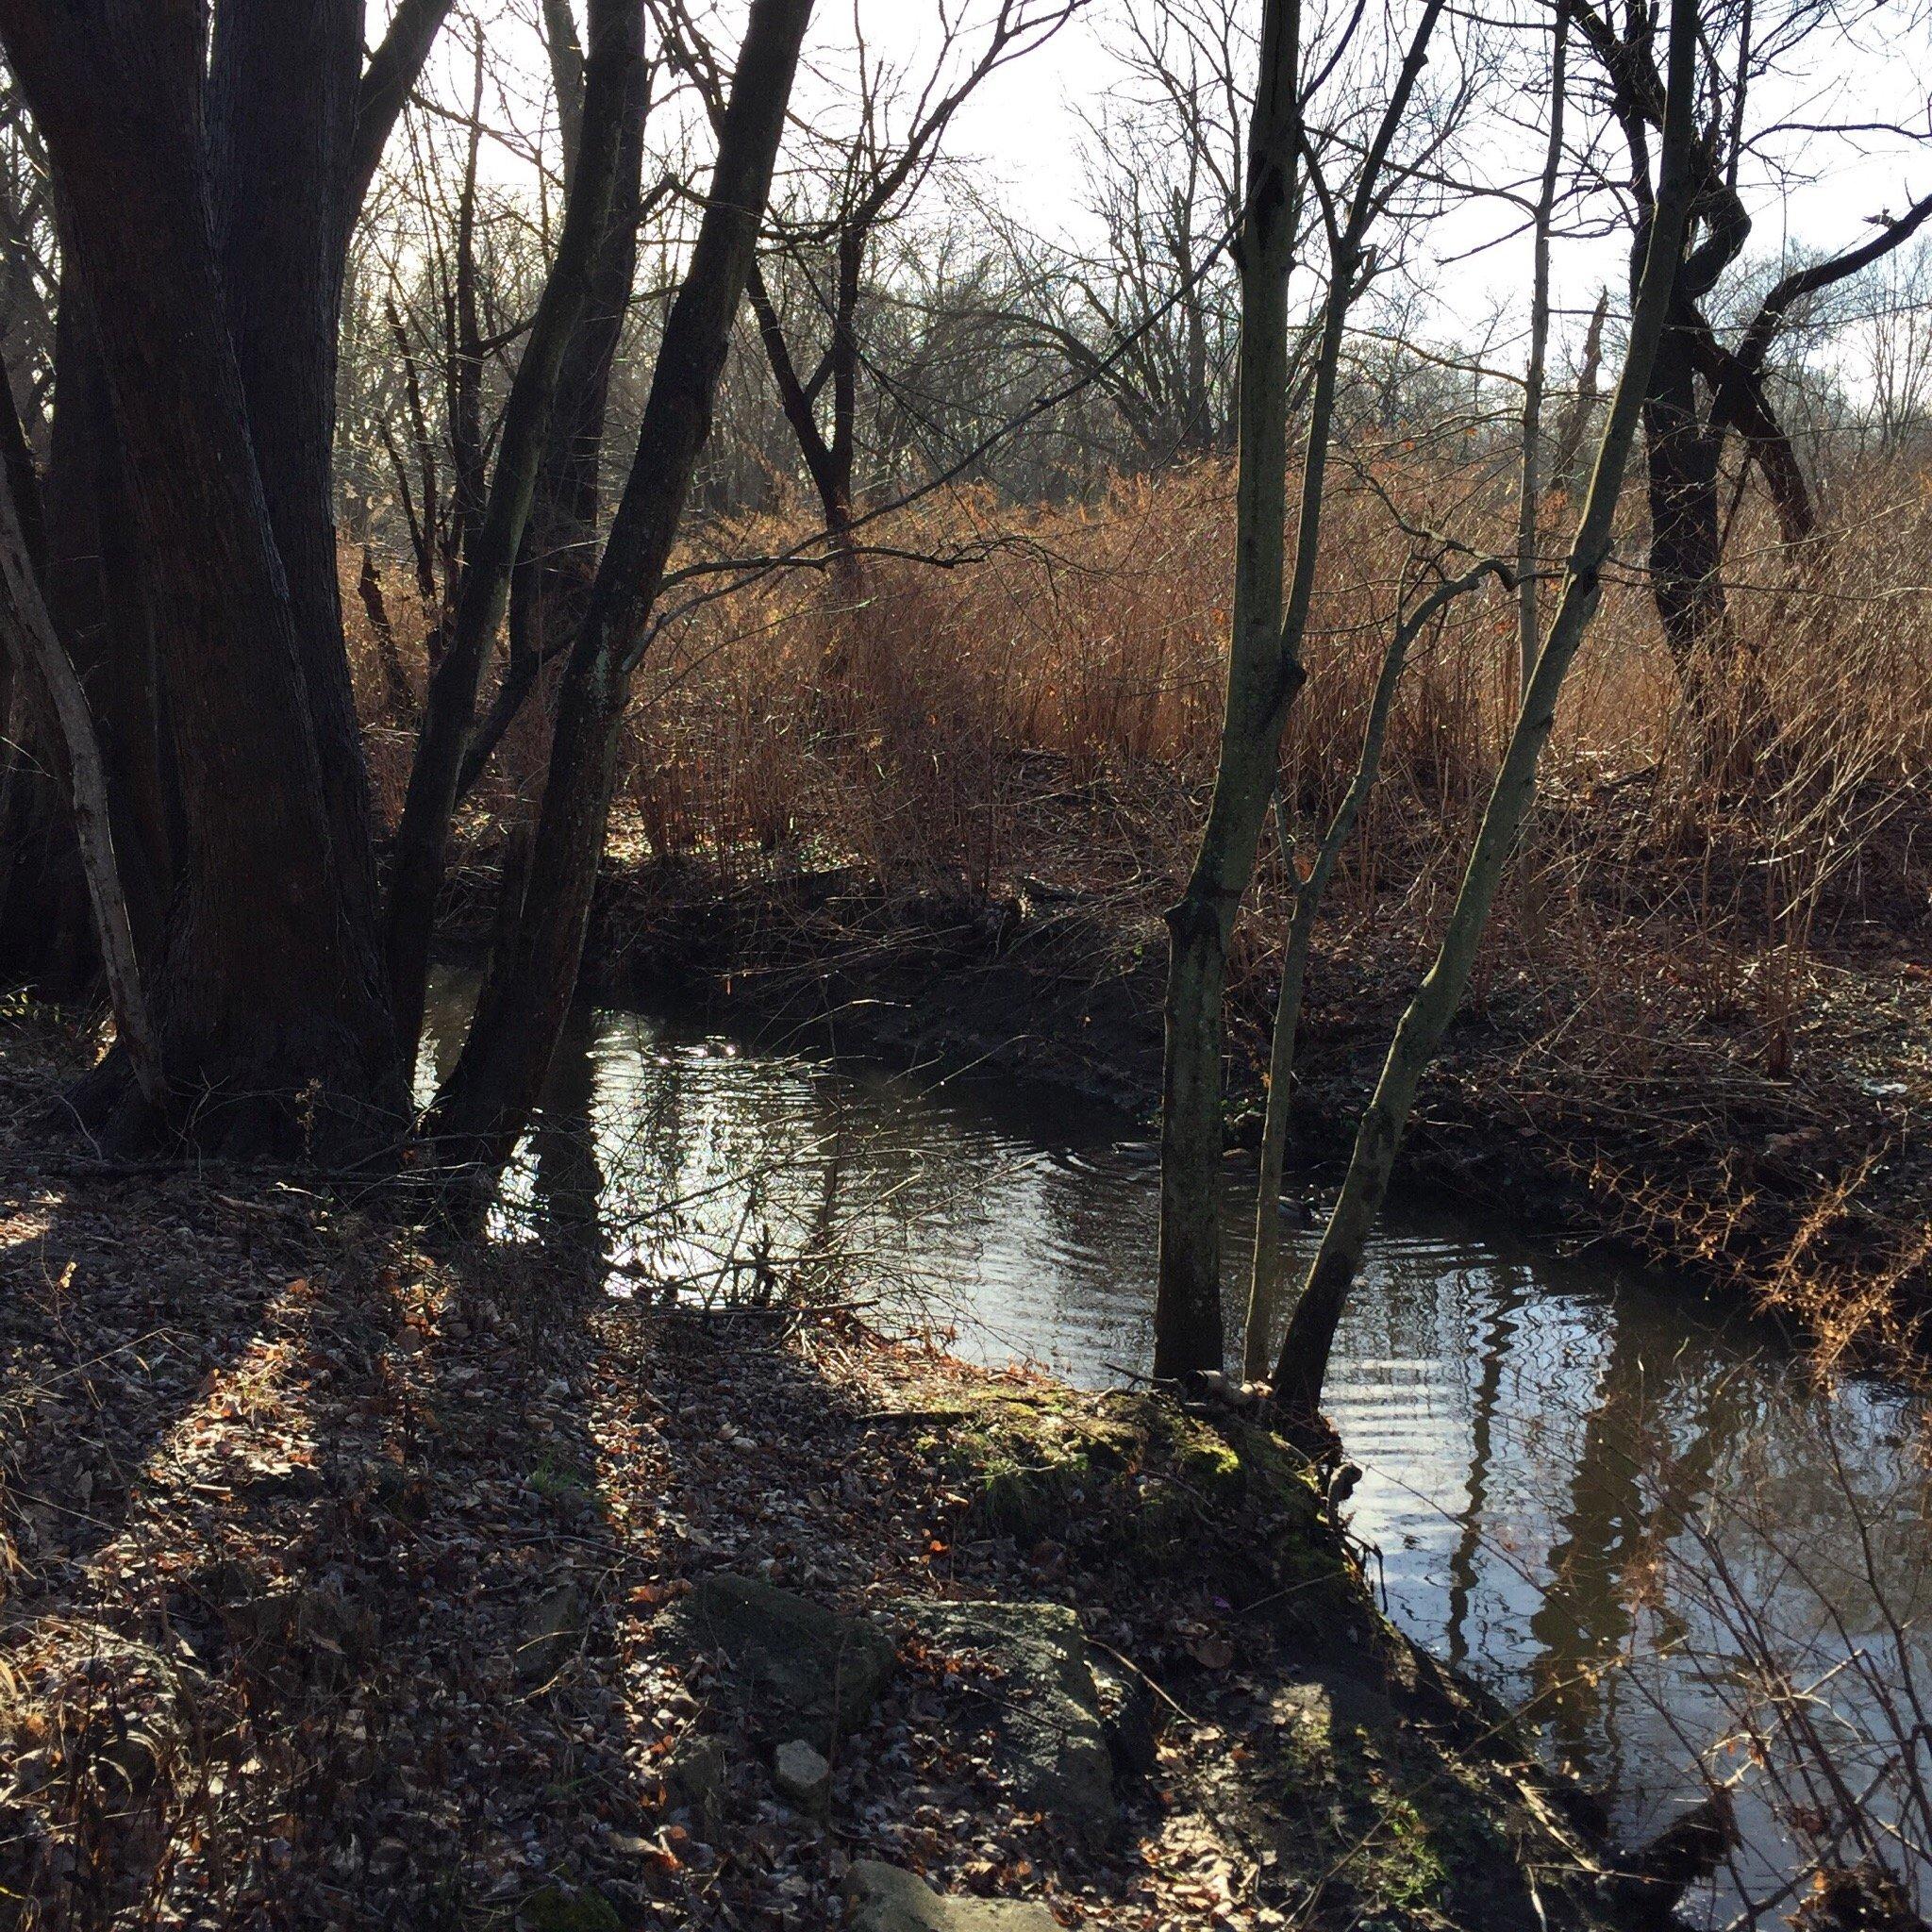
(348, 1584)
(1637, 1111)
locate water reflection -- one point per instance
(1572, 1478)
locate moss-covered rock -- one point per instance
(1036, 1458)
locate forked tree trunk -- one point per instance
(273, 1022)
(449, 713)
(1262, 677)
(1264, 673)
(551, 586)
(487, 1100)
(1305, 1351)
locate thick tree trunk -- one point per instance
(1305, 1350)
(1682, 464)
(487, 1100)
(273, 1024)
(283, 91)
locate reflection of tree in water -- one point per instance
(1630, 1493)
(1490, 1346)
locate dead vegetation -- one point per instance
(1708, 995)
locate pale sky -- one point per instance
(1023, 131)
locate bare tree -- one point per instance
(1265, 653)
(487, 1100)
(1305, 1350)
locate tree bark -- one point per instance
(283, 92)
(487, 1100)
(272, 1025)
(44, 666)
(1305, 1351)
(1264, 673)
(449, 713)
(1529, 488)
(551, 586)
(1262, 677)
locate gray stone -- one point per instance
(696, 1776)
(1048, 1744)
(804, 1670)
(552, 1628)
(802, 1777)
(884, 1899)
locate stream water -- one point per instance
(1578, 1483)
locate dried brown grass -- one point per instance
(1699, 928)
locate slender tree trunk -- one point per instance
(1264, 673)
(422, 838)
(1263, 1283)
(96, 590)
(1262, 677)
(831, 479)
(1529, 489)
(487, 1102)
(1566, 460)
(1305, 1351)
(44, 666)
(551, 586)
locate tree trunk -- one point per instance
(283, 91)
(449, 713)
(1262, 677)
(1682, 464)
(1263, 1281)
(43, 666)
(1528, 493)
(487, 1100)
(551, 586)
(1305, 1351)
(272, 1020)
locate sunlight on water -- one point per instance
(1541, 1439)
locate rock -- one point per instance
(885, 1899)
(802, 1777)
(552, 1628)
(553, 1910)
(697, 1777)
(1048, 1745)
(806, 1671)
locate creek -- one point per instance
(1639, 1519)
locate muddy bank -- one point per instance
(349, 1584)
(1644, 1116)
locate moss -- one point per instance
(1212, 1468)
(1139, 1468)
(553, 1910)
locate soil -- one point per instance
(342, 1583)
